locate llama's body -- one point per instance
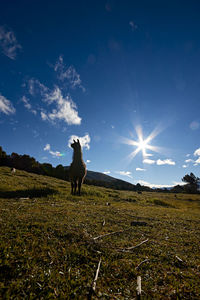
(77, 169)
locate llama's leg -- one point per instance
(72, 187)
(75, 186)
(79, 185)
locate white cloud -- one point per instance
(124, 173)
(197, 152)
(43, 116)
(194, 125)
(70, 74)
(165, 162)
(189, 160)
(184, 166)
(65, 108)
(140, 169)
(6, 106)
(197, 161)
(84, 141)
(152, 185)
(149, 161)
(27, 104)
(88, 161)
(8, 43)
(178, 183)
(188, 155)
(53, 153)
(106, 172)
(47, 147)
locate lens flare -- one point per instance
(142, 144)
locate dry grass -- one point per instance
(47, 248)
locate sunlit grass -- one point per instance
(47, 248)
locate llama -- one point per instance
(77, 169)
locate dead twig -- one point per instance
(179, 259)
(144, 261)
(133, 247)
(96, 276)
(139, 287)
(107, 234)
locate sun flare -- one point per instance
(142, 144)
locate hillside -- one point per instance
(100, 179)
(51, 243)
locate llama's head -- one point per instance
(76, 145)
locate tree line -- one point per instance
(29, 164)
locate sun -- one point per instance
(142, 144)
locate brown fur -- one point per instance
(77, 169)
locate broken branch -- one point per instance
(107, 234)
(133, 247)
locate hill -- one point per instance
(51, 242)
(100, 179)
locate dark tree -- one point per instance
(3, 157)
(191, 183)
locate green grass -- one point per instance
(47, 250)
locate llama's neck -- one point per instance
(77, 156)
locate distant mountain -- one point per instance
(100, 179)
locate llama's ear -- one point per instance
(78, 141)
(74, 141)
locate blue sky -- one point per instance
(108, 72)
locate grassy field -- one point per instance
(48, 250)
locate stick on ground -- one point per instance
(141, 263)
(107, 234)
(139, 288)
(96, 276)
(133, 247)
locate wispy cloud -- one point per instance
(133, 26)
(124, 173)
(6, 106)
(184, 166)
(148, 161)
(84, 140)
(167, 161)
(106, 172)
(140, 169)
(65, 109)
(35, 87)
(68, 73)
(53, 153)
(27, 104)
(62, 107)
(88, 161)
(8, 42)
